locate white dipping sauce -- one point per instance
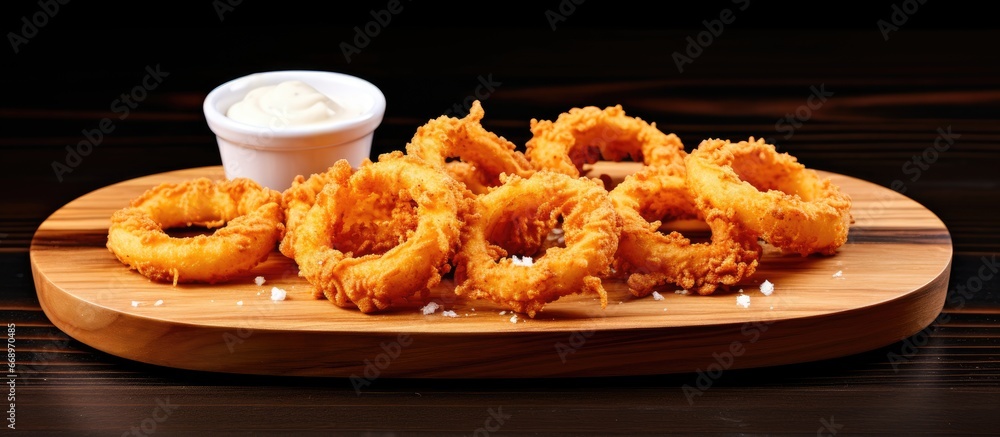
(290, 103)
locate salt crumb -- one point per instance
(513, 319)
(158, 303)
(525, 261)
(839, 274)
(664, 309)
(239, 302)
(743, 300)
(430, 308)
(766, 288)
(503, 312)
(258, 280)
(278, 294)
(657, 296)
(449, 313)
(135, 304)
(683, 292)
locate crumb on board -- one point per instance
(766, 288)
(258, 280)
(135, 304)
(449, 313)
(430, 308)
(278, 294)
(839, 274)
(513, 319)
(657, 296)
(239, 302)
(743, 300)
(681, 292)
(158, 303)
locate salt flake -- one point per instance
(430, 308)
(766, 288)
(278, 294)
(743, 300)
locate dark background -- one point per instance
(940, 69)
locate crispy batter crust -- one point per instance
(649, 258)
(250, 216)
(771, 194)
(589, 134)
(519, 206)
(376, 281)
(487, 154)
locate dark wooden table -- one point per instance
(867, 93)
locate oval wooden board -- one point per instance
(895, 270)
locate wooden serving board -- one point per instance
(893, 282)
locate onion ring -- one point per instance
(589, 134)
(250, 217)
(589, 223)
(404, 272)
(388, 224)
(771, 194)
(446, 138)
(649, 258)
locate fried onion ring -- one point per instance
(445, 138)
(771, 194)
(649, 258)
(376, 281)
(589, 134)
(521, 205)
(250, 217)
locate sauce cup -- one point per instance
(273, 155)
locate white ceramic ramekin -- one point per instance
(273, 156)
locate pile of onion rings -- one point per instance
(521, 230)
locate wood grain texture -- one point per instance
(895, 269)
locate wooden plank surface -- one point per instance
(894, 267)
